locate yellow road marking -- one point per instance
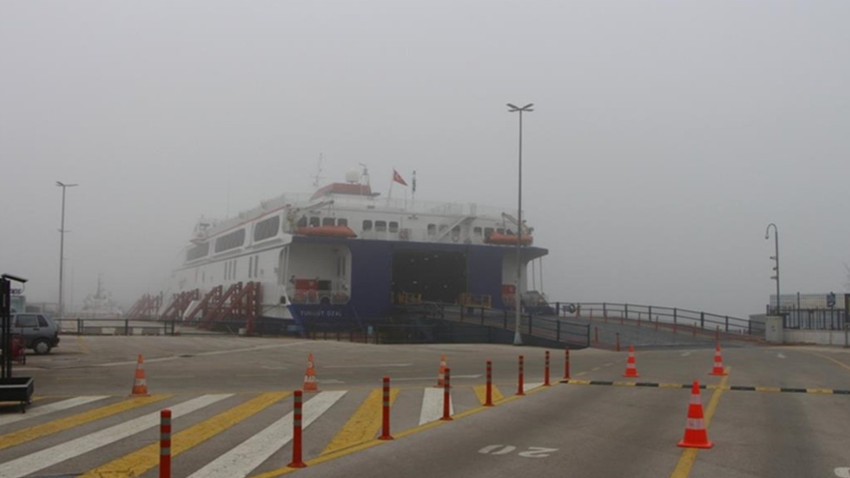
(624, 384)
(22, 436)
(826, 391)
(82, 343)
(375, 442)
(365, 424)
(768, 389)
(689, 455)
(839, 363)
(481, 393)
(138, 462)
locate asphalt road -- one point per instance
(231, 398)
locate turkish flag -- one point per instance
(397, 178)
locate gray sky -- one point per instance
(666, 134)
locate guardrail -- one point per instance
(671, 318)
(814, 319)
(112, 326)
(540, 325)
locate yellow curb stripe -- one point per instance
(768, 389)
(481, 393)
(365, 424)
(689, 455)
(22, 436)
(826, 391)
(143, 459)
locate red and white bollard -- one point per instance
(520, 388)
(567, 363)
(385, 429)
(488, 397)
(447, 399)
(165, 443)
(546, 371)
(297, 461)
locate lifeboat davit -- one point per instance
(508, 239)
(326, 231)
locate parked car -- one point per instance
(39, 331)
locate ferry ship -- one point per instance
(345, 254)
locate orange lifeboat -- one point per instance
(326, 231)
(508, 239)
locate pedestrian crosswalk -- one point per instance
(213, 435)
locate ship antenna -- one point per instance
(318, 176)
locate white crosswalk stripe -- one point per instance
(84, 444)
(241, 460)
(50, 408)
(248, 454)
(432, 405)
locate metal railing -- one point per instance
(669, 318)
(814, 319)
(114, 326)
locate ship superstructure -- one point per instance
(346, 252)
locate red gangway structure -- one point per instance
(238, 306)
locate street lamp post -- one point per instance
(64, 186)
(518, 296)
(775, 258)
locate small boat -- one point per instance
(508, 239)
(327, 231)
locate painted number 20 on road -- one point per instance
(530, 452)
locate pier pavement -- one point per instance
(780, 411)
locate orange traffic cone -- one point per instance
(441, 377)
(696, 435)
(718, 362)
(631, 367)
(310, 383)
(140, 386)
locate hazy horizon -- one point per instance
(666, 136)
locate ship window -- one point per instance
(342, 221)
(230, 241)
(488, 231)
(314, 221)
(302, 222)
(198, 251)
(328, 221)
(432, 229)
(393, 226)
(456, 230)
(476, 230)
(367, 225)
(380, 226)
(266, 228)
(500, 230)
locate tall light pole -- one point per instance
(518, 294)
(775, 258)
(64, 186)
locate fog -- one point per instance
(665, 136)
